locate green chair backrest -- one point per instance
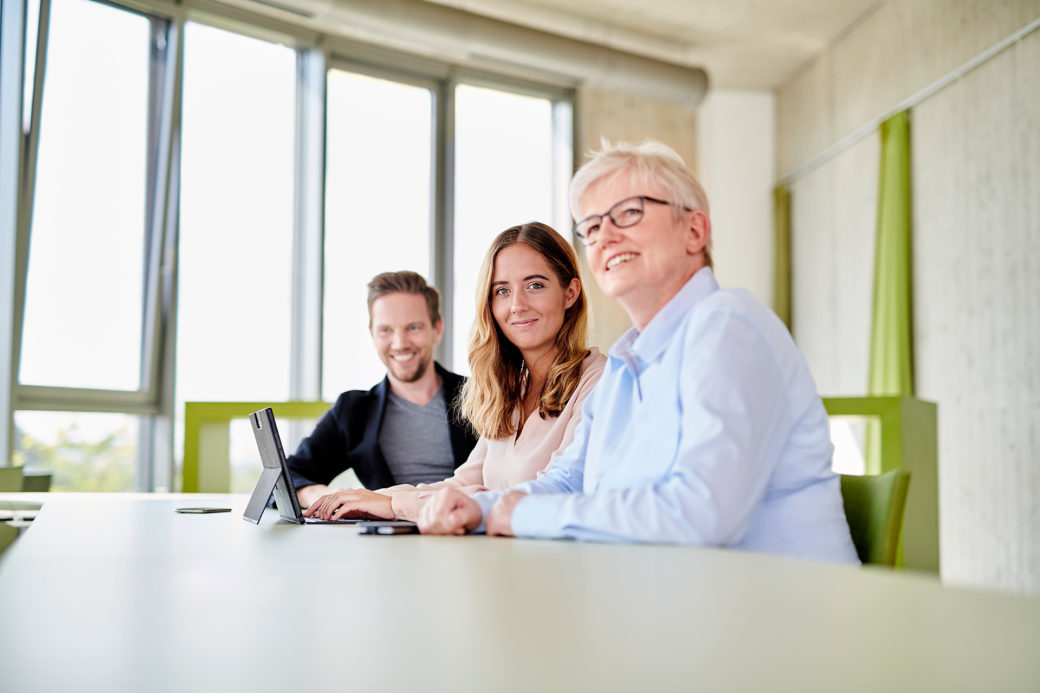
(8, 534)
(874, 509)
(37, 482)
(908, 440)
(207, 462)
(11, 478)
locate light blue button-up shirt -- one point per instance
(705, 429)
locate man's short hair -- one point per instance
(651, 163)
(404, 282)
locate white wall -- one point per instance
(976, 198)
(736, 163)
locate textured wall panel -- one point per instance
(833, 211)
(893, 53)
(976, 178)
(977, 288)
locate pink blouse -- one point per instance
(507, 461)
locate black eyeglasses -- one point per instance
(628, 212)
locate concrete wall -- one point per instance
(976, 197)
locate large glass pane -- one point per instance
(377, 211)
(82, 452)
(503, 177)
(84, 304)
(236, 219)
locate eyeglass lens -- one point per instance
(626, 213)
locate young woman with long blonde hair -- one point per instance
(531, 371)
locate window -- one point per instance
(379, 165)
(504, 174)
(82, 451)
(84, 301)
(235, 261)
(83, 328)
(848, 434)
(208, 207)
(236, 224)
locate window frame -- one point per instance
(146, 400)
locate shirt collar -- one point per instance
(639, 348)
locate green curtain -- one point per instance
(891, 337)
(782, 253)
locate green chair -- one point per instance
(8, 534)
(874, 509)
(37, 482)
(207, 459)
(11, 478)
(908, 440)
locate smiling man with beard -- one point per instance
(406, 429)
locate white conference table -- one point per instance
(115, 592)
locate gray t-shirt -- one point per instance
(415, 440)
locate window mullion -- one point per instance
(308, 226)
(72, 399)
(562, 162)
(155, 434)
(12, 57)
(19, 169)
(442, 255)
(158, 176)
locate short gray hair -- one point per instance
(651, 163)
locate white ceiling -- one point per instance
(742, 44)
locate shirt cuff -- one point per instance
(485, 500)
(405, 505)
(537, 516)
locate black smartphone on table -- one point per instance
(388, 527)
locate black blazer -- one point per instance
(347, 436)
